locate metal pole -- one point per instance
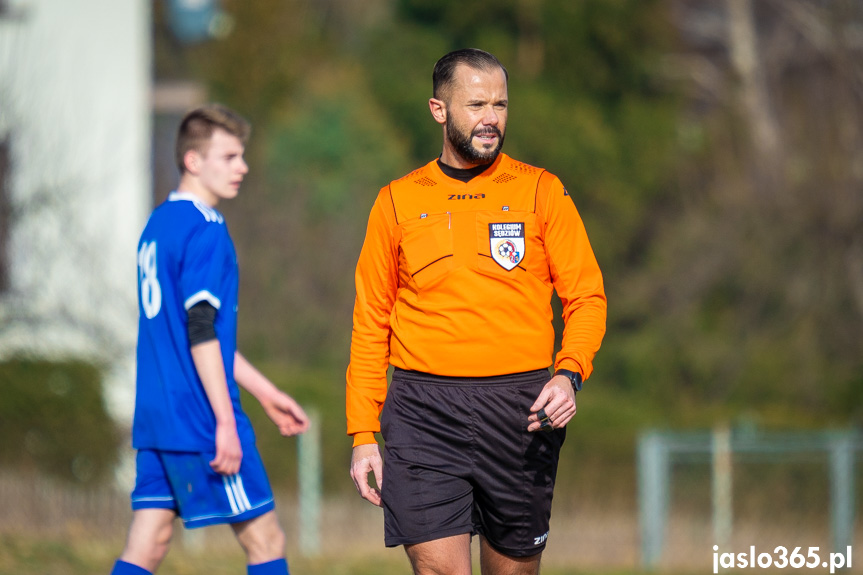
(309, 470)
(842, 491)
(722, 486)
(653, 478)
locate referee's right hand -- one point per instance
(364, 460)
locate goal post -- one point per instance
(657, 451)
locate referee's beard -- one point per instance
(462, 141)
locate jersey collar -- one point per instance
(178, 196)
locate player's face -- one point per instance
(476, 116)
(222, 166)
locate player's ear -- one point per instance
(192, 161)
(438, 110)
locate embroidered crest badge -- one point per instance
(506, 241)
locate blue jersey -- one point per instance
(185, 256)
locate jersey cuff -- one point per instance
(569, 364)
(202, 295)
(364, 438)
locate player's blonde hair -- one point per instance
(197, 128)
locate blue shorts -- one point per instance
(185, 483)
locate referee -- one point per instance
(454, 286)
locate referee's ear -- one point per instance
(438, 110)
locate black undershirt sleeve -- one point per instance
(202, 319)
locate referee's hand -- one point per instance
(556, 401)
(366, 459)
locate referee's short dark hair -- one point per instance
(197, 128)
(444, 69)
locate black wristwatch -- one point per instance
(574, 378)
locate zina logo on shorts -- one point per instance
(506, 241)
(541, 539)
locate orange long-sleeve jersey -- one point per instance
(456, 279)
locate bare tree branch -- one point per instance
(755, 100)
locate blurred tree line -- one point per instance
(713, 148)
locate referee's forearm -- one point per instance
(364, 399)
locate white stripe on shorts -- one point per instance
(236, 493)
(229, 491)
(241, 493)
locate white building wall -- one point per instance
(75, 104)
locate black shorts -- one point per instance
(458, 459)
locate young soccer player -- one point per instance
(196, 448)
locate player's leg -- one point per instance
(493, 562)
(148, 541)
(154, 509)
(244, 500)
(263, 541)
(257, 529)
(447, 556)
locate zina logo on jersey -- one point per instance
(506, 241)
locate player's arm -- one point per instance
(207, 356)
(578, 282)
(280, 407)
(376, 284)
(211, 369)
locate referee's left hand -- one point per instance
(557, 398)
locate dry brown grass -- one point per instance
(49, 527)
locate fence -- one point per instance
(694, 490)
(724, 451)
